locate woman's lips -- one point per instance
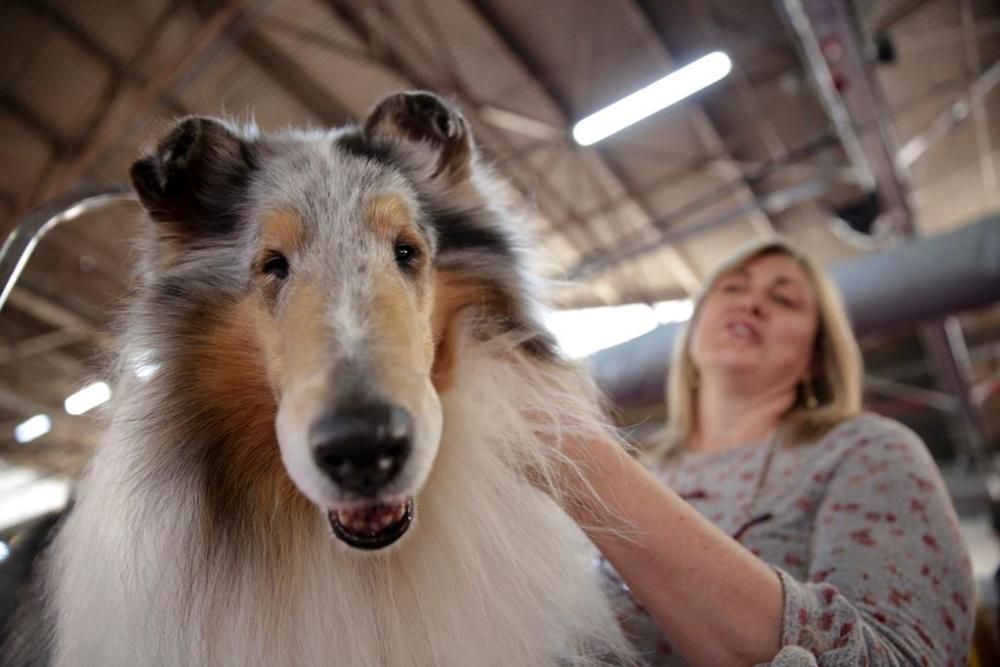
(744, 330)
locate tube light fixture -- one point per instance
(87, 398)
(658, 95)
(33, 428)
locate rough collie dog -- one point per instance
(331, 463)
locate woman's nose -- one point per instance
(753, 303)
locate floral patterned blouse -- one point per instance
(861, 531)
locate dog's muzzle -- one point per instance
(362, 451)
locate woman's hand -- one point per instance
(718, 603)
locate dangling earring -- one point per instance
(693, 377)
(809, 394)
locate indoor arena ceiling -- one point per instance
(640, 217)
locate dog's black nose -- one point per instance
(362, 449)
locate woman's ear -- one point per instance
(195, 180)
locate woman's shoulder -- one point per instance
(872, 428)
(871, 434)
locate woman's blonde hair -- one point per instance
(837, 362)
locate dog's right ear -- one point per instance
(426, 123)
(195, 180)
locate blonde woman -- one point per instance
(777, 523)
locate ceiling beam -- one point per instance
(897, 12)
(40, 344)
(671, 231)
(707, 132)
(980, 116)
(383, 53)
(64, 426)
(312, 94)
(8, 201)
(47, 311)
(912, 393)
(953, 115)
(682, 269)
(46, 131)
(749, 172)
(130, 103)
(289, 75)
(68, 27)
(874, 152)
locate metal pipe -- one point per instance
(812, 52)
(771, 202)
(22, 240)
(917, 281)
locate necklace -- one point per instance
(676, 458)
(753, 518)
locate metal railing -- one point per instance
(21, 242)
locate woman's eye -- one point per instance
(275, 265)
(407, 254)
(785, 301)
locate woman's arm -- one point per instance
(718, 603)
(889, 583)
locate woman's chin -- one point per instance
(729, 366)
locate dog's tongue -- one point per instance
(371, 519)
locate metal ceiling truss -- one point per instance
(680, 266)
(756, 216)
(127, 96)
(123, 104)
(832, 45)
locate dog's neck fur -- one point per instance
(490, 575)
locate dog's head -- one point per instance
(323, 274)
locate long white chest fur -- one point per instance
(493, 574)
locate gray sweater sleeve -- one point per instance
(889, 580)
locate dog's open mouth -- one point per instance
(373, 526)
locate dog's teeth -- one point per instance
(373, 519)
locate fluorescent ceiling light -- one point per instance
(27, 494)
(678, 310)
(656, 96)
(33, 428)
(87, 398)
(583, 332)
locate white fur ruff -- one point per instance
(492, 574)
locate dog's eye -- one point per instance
(276, 265)
(407, 254)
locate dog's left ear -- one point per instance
(424, 122)
(195, 180)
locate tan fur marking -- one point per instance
(389, 217)
(231, 367)
(283, 230)
(305, 338)
(405, 348)
(454, 292)
(387, 214)
(170, 249)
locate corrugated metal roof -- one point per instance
(529, 62)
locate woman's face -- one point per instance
(759, 321)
